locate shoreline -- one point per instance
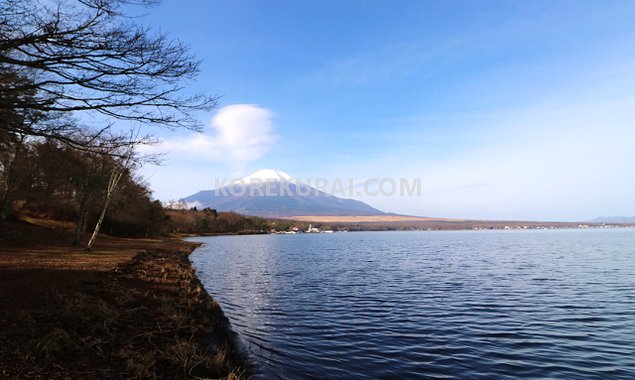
(133, 308)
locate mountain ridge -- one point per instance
(274, 193)
(614, 219)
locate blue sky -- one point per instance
(505, 109)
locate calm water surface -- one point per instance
(556, 304)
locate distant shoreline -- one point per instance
(405, 222)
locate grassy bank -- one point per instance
(131, 309)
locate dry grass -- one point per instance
(115, 313)
(366, 219)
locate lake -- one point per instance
(532, 304)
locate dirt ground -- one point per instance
(131, 308)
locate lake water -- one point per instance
(469, 305)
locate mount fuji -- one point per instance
(274, 193)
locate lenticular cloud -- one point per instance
(238, 134)
(244, 131)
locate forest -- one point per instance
(82, 87)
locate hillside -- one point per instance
(273, 193)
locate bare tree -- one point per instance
(11, 150)
(75, 56)
(83, 173)
(120, 167)
(88, 180)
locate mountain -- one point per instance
(615, 219)
(274, 193)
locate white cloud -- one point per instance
(240, 133)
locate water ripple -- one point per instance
(433, 305)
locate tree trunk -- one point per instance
(115, 176)
(7, 190)
(4, 207)
(80, 222)
(91, 242)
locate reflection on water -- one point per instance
(473, 304)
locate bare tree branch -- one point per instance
(86, 56)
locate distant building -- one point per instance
(312, 229)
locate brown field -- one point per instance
(367, 219)
(406, 222)
(131, 308)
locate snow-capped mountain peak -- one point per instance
(274, 193)
(269, 175)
